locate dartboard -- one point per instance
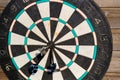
(54, 40)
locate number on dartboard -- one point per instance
(8, 67)
(5, 20)
(25, 1)
(98, 21)
(13, 8)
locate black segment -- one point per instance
(32, 35)
(25, 69)
(86, 39)
(47, 76)
(55, 9)
(75, 19)
(84, 62)
(42, 29)
(53, 28)
(19, 29)
(33, 13)
(63, 32)
(59, 60)
(48, 60)
(17, 50)
(67, 53)
(68, 75)
(33, 47)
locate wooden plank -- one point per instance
(108, 3)
(2, 75)
(101, 3)
(115, 62)
(114, 22)
(116, 39)
(111, 12)
(3, 3)
(113, 16)
(112, 76)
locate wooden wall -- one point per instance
(111, 9)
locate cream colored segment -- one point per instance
(86, 51)
(82, 29)
(67, 36)
(57, 76)
(66, 12)
(58, 30)
(37, 76)
(34, 42)
(67, 47)
(25, 20)
(21, 60)
(76, 70)
(17, 39)
(39, 33)
(44, 9)
(48, 28)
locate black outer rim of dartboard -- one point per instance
(102, 29)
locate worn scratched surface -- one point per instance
(111, 9)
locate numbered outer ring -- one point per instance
(78, 31)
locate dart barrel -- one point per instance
(76, 31)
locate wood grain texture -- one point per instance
(108, 3)
(111, 8)
(101, 3)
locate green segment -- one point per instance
(28, 79)
(81, 78)
(46, 19)
(95, 52)
(25, 40)
(91, 26)
(19, 14)
(70, 63)
(9, 38)
(41, 68)
(70, 5)
(62, 21)
(32, 26)
(77, 49)
(74, 33)
(29, 57)
(41, 1)
(16, 66)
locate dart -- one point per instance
(42, 51)
(34, 67)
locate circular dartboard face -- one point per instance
(54, 40)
